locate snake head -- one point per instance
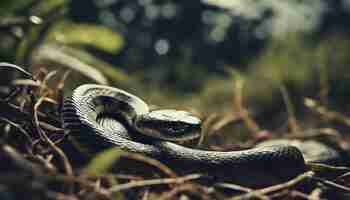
(171, 125)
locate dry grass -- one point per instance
(41, 162)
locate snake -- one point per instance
(102, 117)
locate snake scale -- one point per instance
(89, 116)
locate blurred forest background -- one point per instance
(286, 62)
(175, 51)
(286, 55)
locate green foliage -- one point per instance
(100, 37)
(293, 59)
(9, 7)
(103, 162)
(89, 65)
(45, 7)
(288, 60)
(69, 38)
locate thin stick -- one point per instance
(326, 113)
(333, 185)
(238, 106)
(67, 165)
(233, 187)
(203, 140)
(162, 181)
(292, 121)
(20, 69)
(194, 189)
(153, 162)
(19, 127)
(259, 193)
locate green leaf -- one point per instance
(58, 55)
(100, 37)
(83, 62)
(103, 162)
(46, 7)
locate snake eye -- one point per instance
(169, 125)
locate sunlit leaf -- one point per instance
(103, 162)
(112, 72)
(52, 53)
(100, 37)
(45, 7)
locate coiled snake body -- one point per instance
(89, 115)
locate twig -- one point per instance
(50, 127)
(61, 82)
(83, 183)
(206, 130)
(314, 133)
(343, 176)
(145, 195)
(67, 165)
(20, 69)
(59, 90)
(238, 106)
(294, 194)
(325, 113)
(26, 82)
(12, 94)
(145, 183)
(45, 162)
(46, 79)
(228, 118)
(315, 194)
(333, 184)
(125, 176)
(19, 161)
(323, 82)
(150, 161)
(233, 187)
(319, 167)
(258, 193)
(292, 121)
(19, 127)
(195, 189)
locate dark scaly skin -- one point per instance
(313, 151)
(249, 167)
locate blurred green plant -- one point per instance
(291, 60)
(100, 37)
(47, 26)
(45, 7)
(8, 8)
(299, 63)
(103, 162)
